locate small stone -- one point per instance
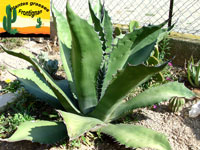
(33, 47)
(196, 91)
(5, 99)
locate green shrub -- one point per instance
(12, 86)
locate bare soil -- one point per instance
(182, 131)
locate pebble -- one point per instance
(5, 99)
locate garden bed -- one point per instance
(182, 131)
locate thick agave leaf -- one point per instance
(197, 77)
(65, 39)
(124, 81)
(143, 54)
(86, 60)
(145, 36)
(136, 136)
(35, 84)
(62, 27)
(98, 10)
(44, 132)
(117, 60)
(64, 85)
(108, 30)
(97, 26)
(78, 125)
(153, 96)
(163, 35)
(104, 27)
(190, 74)
(133, 48)
(61, 96)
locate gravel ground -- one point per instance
(183, 132)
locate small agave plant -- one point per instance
(99, 76)
(49, 65)
(193, 72)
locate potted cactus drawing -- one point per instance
(39, 21)
(11, 18)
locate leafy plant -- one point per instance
(12, 42)
(7, 21)
(39, 21)
(42, 57)
(86, 139)
(25, 108)
(99, 76)
(12, 86)
(51, 66)
(9, 123)
(15, 114)
(117, 31)
(193, 72)
(163, 45)
(133, 25)
(153, 60)
(176, 104)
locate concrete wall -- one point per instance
(183, 49)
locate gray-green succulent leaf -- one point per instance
(154, 95)
(61, 96)
(44, 132)
(136, 136)
(78, 125)
(36, 85)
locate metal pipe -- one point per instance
(170, 12)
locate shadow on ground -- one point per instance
(23, 145)
(193, 123)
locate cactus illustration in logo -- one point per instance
(39, 21)
(7, 21)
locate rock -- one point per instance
(39, 40)
(196, 91)
(195, 110)
(5, 99)
(6, 75)
(34, 47)
(12, 62)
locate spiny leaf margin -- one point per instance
(136, 136)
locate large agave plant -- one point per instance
(99, 76)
